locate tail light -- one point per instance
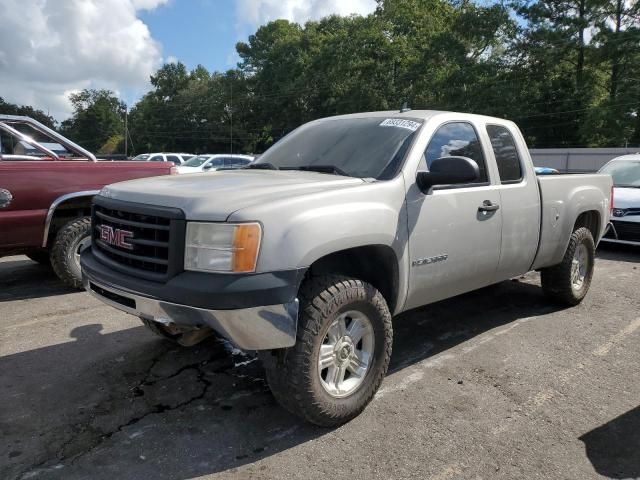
(611, 202)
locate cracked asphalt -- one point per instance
(497, 383)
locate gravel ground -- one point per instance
(497, 383)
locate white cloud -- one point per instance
(148, 4)
(171, 59)
(257, 12)
(49, 48)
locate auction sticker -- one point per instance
(401, 123)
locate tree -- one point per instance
(97, 116)
(27, 110)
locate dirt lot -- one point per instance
(494, 384)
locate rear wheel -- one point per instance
(341, 354)
(569, 281)
(70, 240)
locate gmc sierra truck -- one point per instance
(307, 254)
(45, 197)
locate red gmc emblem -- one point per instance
(115, 236)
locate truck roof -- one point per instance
(416, 114)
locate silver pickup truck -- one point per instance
(307, 254)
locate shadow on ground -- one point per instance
(24, 279)
(618, 252)
(614, 448)
(128, 405)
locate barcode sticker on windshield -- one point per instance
(398, 122)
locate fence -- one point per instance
(576, 160)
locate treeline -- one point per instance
(567, 71)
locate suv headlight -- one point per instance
(222, 247)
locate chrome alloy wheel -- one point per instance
(579, 266)
(346, 353)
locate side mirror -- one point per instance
(207, 167)
(448, 171)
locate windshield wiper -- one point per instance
(627, 186)
(332, 169)
(262, 166)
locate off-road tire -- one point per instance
(557, 281)
(64, 249)
(40, 256)
(292, 373)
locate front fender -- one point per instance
(300, 230)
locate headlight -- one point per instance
(222, 247)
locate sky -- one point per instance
(51, 48)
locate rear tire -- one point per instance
(341, 355)
(40, 256)
(568, 282)
(70, 240)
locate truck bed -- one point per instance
(567, 196)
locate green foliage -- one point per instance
(114, 144)
(13, 109)
(567, 71)
(98, 115)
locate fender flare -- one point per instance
(56, 203)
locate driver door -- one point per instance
(454, 244)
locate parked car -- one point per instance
(209, 162)
(45, 200)
(305, 255)
(546, 171)
(176, 158)
(625, 224)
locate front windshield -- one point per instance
(143, 156)
(372, 147)
(196, 161)
(625, 173)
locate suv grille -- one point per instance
(629, 231)
(137, 239)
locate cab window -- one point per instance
(457, 139)
(506, 153)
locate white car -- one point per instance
(625, 218)
(209, 163)
(177, 158)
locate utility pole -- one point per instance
(231, 114)
(126, 130)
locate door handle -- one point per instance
(487, 207)
(5, 198)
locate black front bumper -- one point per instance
(211, 291)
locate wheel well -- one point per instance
(374, 264)
(66, 211)
(590, 220)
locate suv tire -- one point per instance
(345, 324)
(568, 282)
(70, 240)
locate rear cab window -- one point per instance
(506, 154)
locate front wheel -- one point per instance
(70, 240)
(341, 354)
(569, 281)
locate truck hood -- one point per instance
(216, 195)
